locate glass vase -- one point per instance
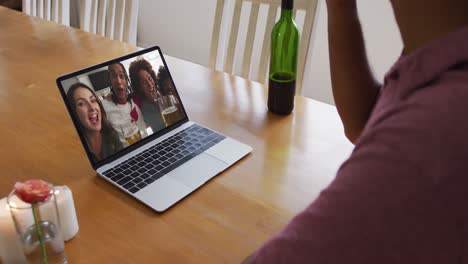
(38, 229)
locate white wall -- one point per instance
(182, 28)
(383, 45)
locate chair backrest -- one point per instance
(305, 6)
(115, 19)
(52, 10)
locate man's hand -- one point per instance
(341, 3)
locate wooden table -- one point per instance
(294, 157)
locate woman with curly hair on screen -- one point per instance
(144, 82)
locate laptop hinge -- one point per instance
(103, 168)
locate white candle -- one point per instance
(66, 211)
(11, 250)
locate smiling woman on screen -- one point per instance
(102, 139)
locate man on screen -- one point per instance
(122, 112)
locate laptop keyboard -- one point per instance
(137, 172)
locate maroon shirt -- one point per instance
(402, 196)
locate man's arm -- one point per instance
(380, 208)
(354, 88)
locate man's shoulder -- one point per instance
(423, 126)
(431, 103)
(446, 95)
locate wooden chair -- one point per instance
(227, 61)
(115, 19)
(52, 10)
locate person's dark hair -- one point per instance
(129, 86)
(135, 67)
(163, 76)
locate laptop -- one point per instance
(136, 132)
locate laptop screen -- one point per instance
(120, 104)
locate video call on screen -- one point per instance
(122, 103)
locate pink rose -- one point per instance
(33, 191)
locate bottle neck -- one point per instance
(287, 8)
(286, 14)
(287, 4)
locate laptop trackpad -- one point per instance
(198, 170)
(163, 193)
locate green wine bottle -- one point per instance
(283, 62)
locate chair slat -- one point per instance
(47, 9)
(266, 42)
(33, 8)
(233, 37)
(215, 36)
(110, 19)
(65, 11)
(26, 7)
(93, 16)
(101, 18)
(248, 48)
(85, 14)
(268, 2)
(130, 23)
(119, 17)
(60, 8)
(40, 9)
(304, 45)
(54, 11)
(304, 4)
(116, 19)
